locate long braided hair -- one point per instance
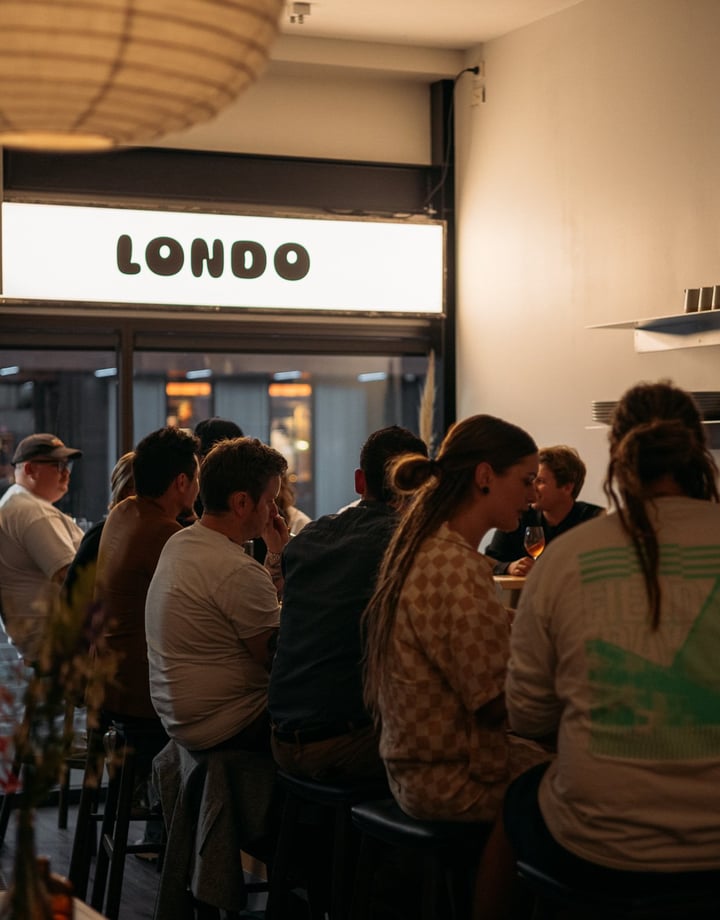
(435, 489)
(656, 431)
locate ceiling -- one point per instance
(446, 24)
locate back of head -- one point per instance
(237, 465)
(656, 432)
(122, 483)
(566, 466)
(382, 446)
(477, 439)
(656, 439)
(212, 430)
(160, 457)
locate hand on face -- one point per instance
(275, 533)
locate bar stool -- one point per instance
(690, 896)
(76, 760)
(446, 853)
(114, 819)
(216, 805)
(89, 814)
(118, 813)
(324, 807)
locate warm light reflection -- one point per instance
(179, 388)
(290, 389)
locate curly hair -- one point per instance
(656, 431)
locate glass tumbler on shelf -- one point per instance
(534, 541)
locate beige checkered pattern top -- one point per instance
(448, 657)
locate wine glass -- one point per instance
(534, 541)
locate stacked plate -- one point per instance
(708, 402)
(602, 411)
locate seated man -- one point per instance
(561, 474)
(320, 724)
(212, 612)
(37, 541)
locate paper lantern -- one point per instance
(92, 74)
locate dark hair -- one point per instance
(237, 465)
(656, 431)
(383, 445)
(162, 456)
(212, 430)
(566, 466)
(440, 486)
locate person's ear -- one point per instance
(182, 482)
(484, 475)
(360, 482)
(238, 503)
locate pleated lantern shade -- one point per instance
(92, 74)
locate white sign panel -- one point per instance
(118, 255)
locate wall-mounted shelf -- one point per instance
(663, 333)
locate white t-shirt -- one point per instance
(636, 782)
(205, 597)
(36, 541)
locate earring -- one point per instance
(485, 490)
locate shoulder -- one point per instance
(585, 511)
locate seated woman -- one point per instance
(438, 638)
(122, 484)
(615, 647)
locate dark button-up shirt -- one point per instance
(507, 547)
(330, 571)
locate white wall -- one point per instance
(332, 100)
(588, 192)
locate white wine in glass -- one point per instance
(534, 541)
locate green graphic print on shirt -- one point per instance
(662, 700)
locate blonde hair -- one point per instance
(122, 482)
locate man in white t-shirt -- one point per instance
(37, 541)
(212, 612)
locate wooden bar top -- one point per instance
(509, 582)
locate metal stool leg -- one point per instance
(278, 886)
(106, 830)
(85, 840)
(119, 843)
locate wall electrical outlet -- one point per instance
(478, 86)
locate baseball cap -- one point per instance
(43, 445)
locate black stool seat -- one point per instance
(321, 808)
(651, 896)
(386, 821)
(342, 792)
(445, 853)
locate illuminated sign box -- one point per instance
(119, 255)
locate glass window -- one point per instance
(315, 409)
(71, 394)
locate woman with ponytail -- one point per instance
(437, 637)
(616, 646)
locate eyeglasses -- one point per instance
(60, 465)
